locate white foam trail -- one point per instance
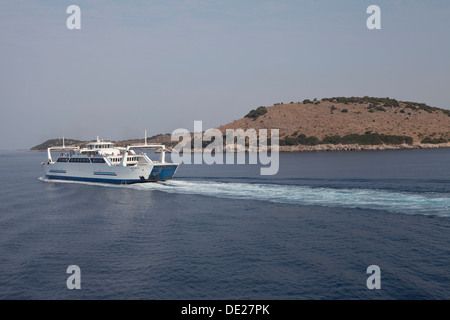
(409, 203)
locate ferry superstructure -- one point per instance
(100, 161)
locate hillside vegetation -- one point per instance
(333, 121)
(353, 120)
(160, 138)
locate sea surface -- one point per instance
(227, 232)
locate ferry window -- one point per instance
(98, 160)
(62, 160)
(79, 160)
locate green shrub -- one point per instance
(254, 114)
(332, 140)
(308, 141)
(368, 138)
(434, 140)
(289, 141)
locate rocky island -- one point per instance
(336, 124)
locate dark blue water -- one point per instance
(225, 232)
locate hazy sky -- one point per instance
(159, 65)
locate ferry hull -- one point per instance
(115, 175)
(101, 162)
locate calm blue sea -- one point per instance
(226, 232)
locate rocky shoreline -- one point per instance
(343, 147)
(340, 147)
(356, 147)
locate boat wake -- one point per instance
(401, 202)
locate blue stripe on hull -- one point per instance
(105, 174)
(103, 180)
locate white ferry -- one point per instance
(100, 161)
